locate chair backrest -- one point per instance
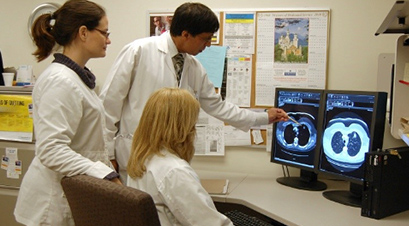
(101, 202)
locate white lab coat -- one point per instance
(70, 134)
(177, 193)
(145, 66)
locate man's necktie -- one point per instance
(178, 63)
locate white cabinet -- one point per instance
(397, 21)
(400, 92)
(9, 187)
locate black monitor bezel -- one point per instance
(319, 125)
(377, 128)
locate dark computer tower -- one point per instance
(386, 183)
(1, 70)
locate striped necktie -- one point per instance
(178, 63)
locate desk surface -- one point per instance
(292, 206)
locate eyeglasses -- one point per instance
(104, 33)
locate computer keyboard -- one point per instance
(241, 219)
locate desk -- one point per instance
(292, 206)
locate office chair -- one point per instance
(101, 202)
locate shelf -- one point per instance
(395, 21)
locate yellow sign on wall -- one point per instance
(16, 113)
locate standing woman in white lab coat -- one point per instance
(69, 119)
(162, 148)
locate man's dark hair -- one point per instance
(194, 18)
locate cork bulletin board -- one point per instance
(269, 48)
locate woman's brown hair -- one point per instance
(62, 26)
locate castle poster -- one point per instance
(291, 40)
(291, 52)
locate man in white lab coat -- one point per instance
(145, 65)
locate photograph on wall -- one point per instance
(159, 23)
(291, 40)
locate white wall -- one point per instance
(352, 60)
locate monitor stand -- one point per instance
(353, 197)
(306, 181)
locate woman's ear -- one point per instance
(83, 32)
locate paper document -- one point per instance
(215, 186)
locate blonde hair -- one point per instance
(167, 122)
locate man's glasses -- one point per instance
(104, 33)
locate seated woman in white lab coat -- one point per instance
(159, 164)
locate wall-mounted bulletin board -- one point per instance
(270, 48)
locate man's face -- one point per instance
(196, 44)
(156, 21)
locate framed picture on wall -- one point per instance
(159, 22)
(215, 38)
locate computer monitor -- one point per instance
(297, 145)
(353, 124)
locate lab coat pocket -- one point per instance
(123, 145)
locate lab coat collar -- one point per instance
(170, 45)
